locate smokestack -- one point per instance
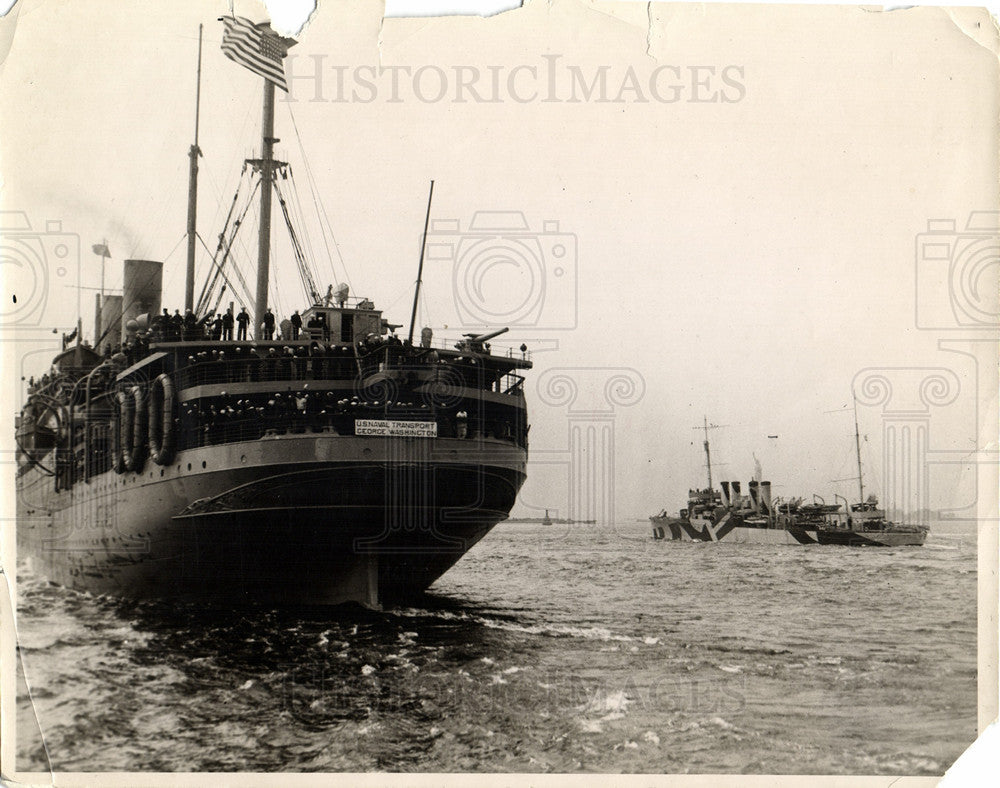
(754, 495)
(765, 496)
(725, 494)
(142, 289)
(111, 323)
(736, 495)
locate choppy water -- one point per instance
(545, 649)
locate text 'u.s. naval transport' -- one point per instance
(411, 429)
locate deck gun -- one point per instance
(474, 342)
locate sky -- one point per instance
(731, 226)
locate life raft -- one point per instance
(132, 431)
(162, 403)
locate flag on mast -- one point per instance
(256, 47)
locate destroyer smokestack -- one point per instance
(754, 495)
(765, 496)
(725, 494)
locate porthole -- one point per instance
(243, 459)
(161, 471)
(189, 466)
(204, 464)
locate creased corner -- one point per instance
(289, 17)
(22, 689)
(977, 24)
(8, 24)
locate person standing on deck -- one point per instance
(296, 324)
(176, 324)
(269, 324)
(243, 318)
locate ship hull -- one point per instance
(297, 520)
(872, 538)
(728, 530)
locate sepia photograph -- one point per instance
(567, 391)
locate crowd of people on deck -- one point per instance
(226, 418)
(219, 327)
(317, 360)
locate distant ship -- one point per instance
(343, 465)
(546, 520)
(714, 516)
(864, 524)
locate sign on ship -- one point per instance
(389, 427)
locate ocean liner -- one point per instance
(337, 463)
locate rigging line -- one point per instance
(244, 261)
(249, 256)
(241, 294)
(234, 153)
(404, 293)
(171, 252)
(241, 279)
(313, 256)
(232, 157)
(296, 200)
(207, 287)
(320, 211)
(306, 241)
(228, 255)
(308, 283)
(276, 289)
(304, 274)
(234, 233)
(235, 291)
(228, 283)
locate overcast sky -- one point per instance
(743, 258)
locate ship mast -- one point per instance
(420, 267)
(194, 153)
(259, 49)
(857, 448)
(708, 454)
(264, 230)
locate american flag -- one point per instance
(257, 48)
